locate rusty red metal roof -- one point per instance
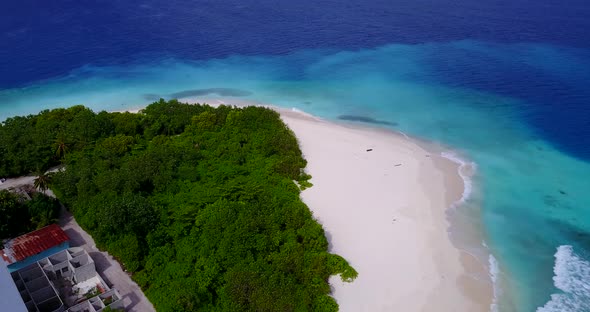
(30, 244)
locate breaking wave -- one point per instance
(494, 273)
(466, 169)
(572, 278)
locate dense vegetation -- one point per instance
(36, 142)
(199, 202)
(19, 216)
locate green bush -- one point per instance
(19, 216)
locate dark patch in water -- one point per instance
(553, 202)
(367, 120)
(152, 97)
(218, 91)
(574, 235)
(550, 201)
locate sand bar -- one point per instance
(384, 211)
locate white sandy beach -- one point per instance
(384, 211)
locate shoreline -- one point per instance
(417, 257)
(430, 273)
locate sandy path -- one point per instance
(16, 182)
(107, 267)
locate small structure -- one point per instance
(52, 277)
(65, 281)
(29, 248)
(109, 298)
(37, 292)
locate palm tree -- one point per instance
(42, 181)
(62, 147)
(43, 218)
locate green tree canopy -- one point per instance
(198, 202)
(19, 216)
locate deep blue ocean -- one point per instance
(504, 83)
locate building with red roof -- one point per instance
(31, 247)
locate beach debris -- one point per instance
(369, 149)
(397, 165)
(427, 155)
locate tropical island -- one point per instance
(200, 204)
(213, 207)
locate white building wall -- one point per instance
(10, 299)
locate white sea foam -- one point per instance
(572, 277)
(463, 167)
(298, 111)
(494, 273)
(466, 171)
(405, 135)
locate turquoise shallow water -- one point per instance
(533, 198)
